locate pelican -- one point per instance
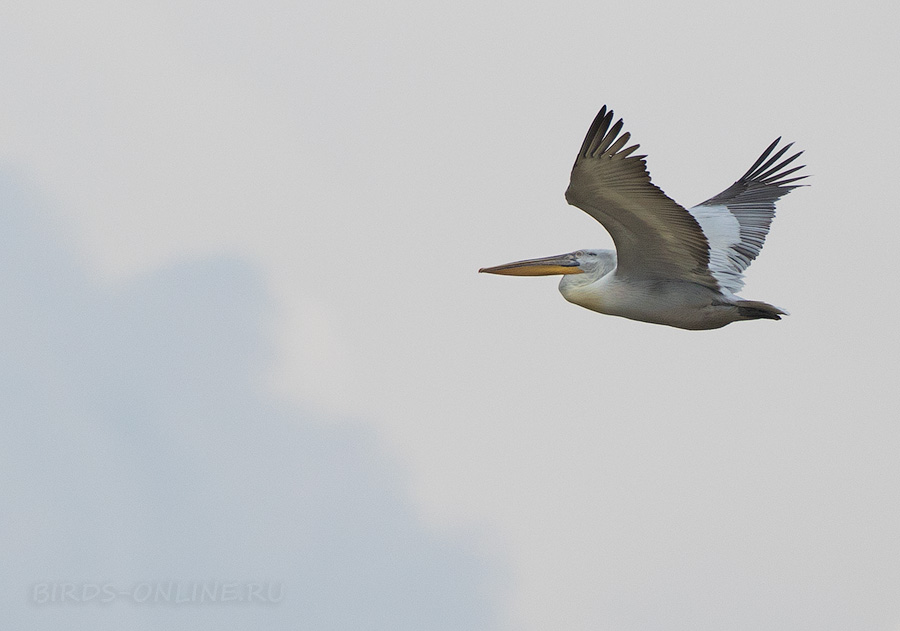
(671, 266)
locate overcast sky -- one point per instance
(246, 342)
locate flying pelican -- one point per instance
(671, 266)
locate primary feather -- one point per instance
(737, 220)
(655, 236)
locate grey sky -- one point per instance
(289, 203)
(141, 452)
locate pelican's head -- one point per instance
(592, 263)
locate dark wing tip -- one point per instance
(766, 181)
(604, 138)
(763, 170)
(594, 130)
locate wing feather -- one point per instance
(655, 237)
(737, 220)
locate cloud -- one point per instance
(142, 454)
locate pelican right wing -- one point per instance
(655, 237)
(737, 220)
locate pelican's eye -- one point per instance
(579, 254)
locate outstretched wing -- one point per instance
(655, 237)
(737, 220)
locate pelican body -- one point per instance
(672, 266)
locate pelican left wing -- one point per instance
(655, 237)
